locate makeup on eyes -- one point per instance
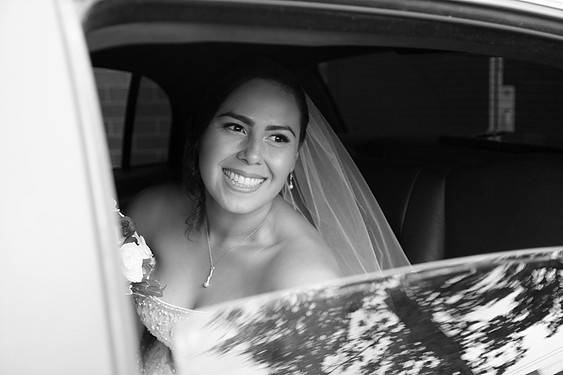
(232, 126)
(274, 137)
(249, 122)
(282, 137)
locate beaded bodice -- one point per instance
(160, 317)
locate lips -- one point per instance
(243, 180)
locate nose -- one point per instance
(252, 151)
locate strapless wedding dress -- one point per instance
(160, 318)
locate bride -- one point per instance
(273, 201)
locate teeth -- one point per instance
(243, 181)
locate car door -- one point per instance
(63, 304)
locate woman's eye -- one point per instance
(279, 138)
(235, 128)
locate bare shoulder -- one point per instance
(159, 214)
(159, 210)
(303, 257)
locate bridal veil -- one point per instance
(331, 192)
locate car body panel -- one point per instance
(65, 306)
(448, 317)
(516, 16)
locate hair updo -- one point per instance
(215, 96)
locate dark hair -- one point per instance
(216, 94)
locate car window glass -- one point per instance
(427, 94)
(113, 87)
(151, 120)
(538, 92)
(152, 125)
(391, 94)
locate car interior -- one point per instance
(462, 146)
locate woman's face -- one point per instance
(250, 146)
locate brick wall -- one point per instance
(152, 118)
(112, 92)
(152, 125)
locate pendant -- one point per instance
(209, 276)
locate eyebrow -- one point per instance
(241, 118)
(250, 122)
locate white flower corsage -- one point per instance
(137, 261)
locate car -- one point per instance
(451, 109)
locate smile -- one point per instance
(242, 182)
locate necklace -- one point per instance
(212, 265)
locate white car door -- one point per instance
(63, 304)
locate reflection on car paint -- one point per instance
(488, 316)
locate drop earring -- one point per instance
(290, 182)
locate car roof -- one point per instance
(174, 21)
(546, 7)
